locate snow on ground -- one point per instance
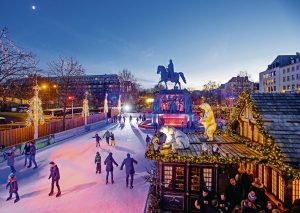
(82, 190)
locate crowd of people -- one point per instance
(244, 194)
(29, 152)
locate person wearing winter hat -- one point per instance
(98, 163)
(10, 157)
(204, 200)
(259, 190)
(248, 205)
(109, 161)
(128, 162)
(55, 176)
(13, 187)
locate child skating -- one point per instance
(98, 163)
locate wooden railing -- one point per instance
(15, 136)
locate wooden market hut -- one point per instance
(263, 134)
(270, 122)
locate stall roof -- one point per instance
(231, 151)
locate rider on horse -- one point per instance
(170, 69)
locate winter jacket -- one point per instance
(98, 138)
(10, 157)
(54, 173)
(112, 137)
(128, 162)
(106, 134)
(26, 150)
(234, 194)
(12, 185)
(32, 150)
(98, 159)
(109, 161)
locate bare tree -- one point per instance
(211, 85)
(65, 70)
(129, 86)
(14, 62)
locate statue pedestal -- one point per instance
(172, 108)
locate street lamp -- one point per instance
(72, 99)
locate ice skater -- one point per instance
(106, 135)
(32, 156)
(130, 118)
(98, 138)
(109, 161)
(98, 163)
(128, 162)
(55, 177)
(26, 152)
(148, 140)
(13, 187)
(112, 139)
(10, 158)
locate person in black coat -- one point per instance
(26, 152)
(148, 140)
(32, 156)
(128, 162)
(109, 161)
(13, 187)
(234, 193)
(223, 204)
(204, 201)
(55, 177)
(98, 138)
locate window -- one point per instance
(293, 86)
(200, 178)
(288, 78)
(296, 190)
(283, 79)
(179, 180)
(173, 178)
(293, 68)
(274, 182)
(298, 67)
(293, 77)
(274, 88)
(195, 179)
(168, 170)
(298, 76)
(284, 87)
(288, 70)
(207, 177)
(283, 71)
(281, 188)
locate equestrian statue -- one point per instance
(168, 74)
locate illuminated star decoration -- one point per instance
(33, 7)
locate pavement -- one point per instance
(82, 189)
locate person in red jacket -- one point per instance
(13, 187)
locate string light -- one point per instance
(270, 151)
(35, 110)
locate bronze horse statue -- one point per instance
(173, 77)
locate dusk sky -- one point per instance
(207, 40)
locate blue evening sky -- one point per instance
(207, 40)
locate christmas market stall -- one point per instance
(263, 135)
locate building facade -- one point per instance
(282, 75)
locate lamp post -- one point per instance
(72, 106)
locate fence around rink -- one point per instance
(13, 137)
(47, 140)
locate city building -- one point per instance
(96, 86)
(282, 75)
